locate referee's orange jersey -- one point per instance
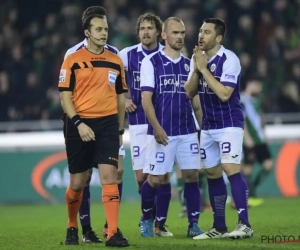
(95, 80)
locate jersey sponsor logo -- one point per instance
(112, 77)
(204, 88)
(62, 75)
(172, 83)
(136, 80)
(229, 77)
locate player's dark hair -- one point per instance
(220, 26)
(90, 13)
(149, 17)
(93, 10)
(86, 24)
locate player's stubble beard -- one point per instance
(151, 41)
(177, 46)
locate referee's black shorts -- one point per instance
(104, 150)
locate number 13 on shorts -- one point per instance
(221, 146)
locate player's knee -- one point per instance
(140, 177)
(108, 174)
(77, 186)
(155, 181)
(214, 173)
(231, 168)
(190, 175)
(268, 164)
(79, 181)
(120, 175)
(166, 178)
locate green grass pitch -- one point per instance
(43, 227)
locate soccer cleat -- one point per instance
(117, 240)
(255, 202)
(212, 233)
(105, 232)
(194, 231)
(91, 237)
(162, 231)
(147, 228)
(72, 236)
(241, 231)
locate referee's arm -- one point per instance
(121, 88)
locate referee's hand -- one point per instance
(86, 133)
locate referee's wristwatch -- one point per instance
(121, 132)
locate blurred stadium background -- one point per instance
(35, 34)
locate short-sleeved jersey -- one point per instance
(82, 44)
(95, 81)
(166, 77)
(132, 58)
(226, 68)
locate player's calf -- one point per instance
(192, 196)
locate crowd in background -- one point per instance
(35, 34)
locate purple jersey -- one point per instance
(82, 44)
(225, 67)
(132, 58)
(166, 78)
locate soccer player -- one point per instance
(88, 235)
(92, 86)
(148, 29)
(215, 75)
(172, 135)
(255, 146)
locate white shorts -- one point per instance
(122, 151)
(221, 146)
(182, 149)
(138, 137)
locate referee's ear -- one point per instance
(87, 33)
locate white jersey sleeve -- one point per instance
(69, 52)
(231, 70)
(192, 66)
(147, 75)
(75, 48)
(124, 56)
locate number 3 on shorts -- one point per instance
(226, 147)
(202, 154)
